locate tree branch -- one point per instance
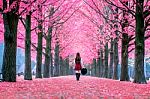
(147, 23)
(147, 37)
(147, 29)
(67, 18)
(25, 9)
(131, 44)
(22, 21)
(90, 19)
(131, 37)
(34, 28)
(146, 13)
(130, 11)
(131, 50)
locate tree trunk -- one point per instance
(10, 42)
(93, 72)
(48, 61)
(106, 61)
(39, 57)
(71, 70)
(39, 47)
(111, 60)
(124, 50)
(116, 59)
(124, 58)
(51, 67)
(56, 61)
(47, 53)
(139, 44)
(61, 66)
(67, 66)
(98, 67)
(101, 63)
(28, 72)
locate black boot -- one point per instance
(77, 76)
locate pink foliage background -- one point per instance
(78, 33)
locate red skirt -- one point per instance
(78, 67)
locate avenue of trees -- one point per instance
(121, 16)
(28, 13)
(115, 32)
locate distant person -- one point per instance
(19, 74)
(33, 73)
(78, 66)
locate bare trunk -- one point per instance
(101, 63)
(67, 65)
(51, 67)
(39, 47)
(139, 44)
(111, 60)
(47, 53)
(116, 59)
(61, 66)
(10, 42)
(39, 57)
(28, 74)
(93, 71)
(48, 56)
(98, 67)
(124, 58)
(56, 61)
(106, 61)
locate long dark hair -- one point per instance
(78, 55)
(78, 58)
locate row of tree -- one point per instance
(11, 16)
(135, 15)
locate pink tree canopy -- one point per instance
(79, 27)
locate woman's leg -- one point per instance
(76, 76)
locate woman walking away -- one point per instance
(78, 66)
